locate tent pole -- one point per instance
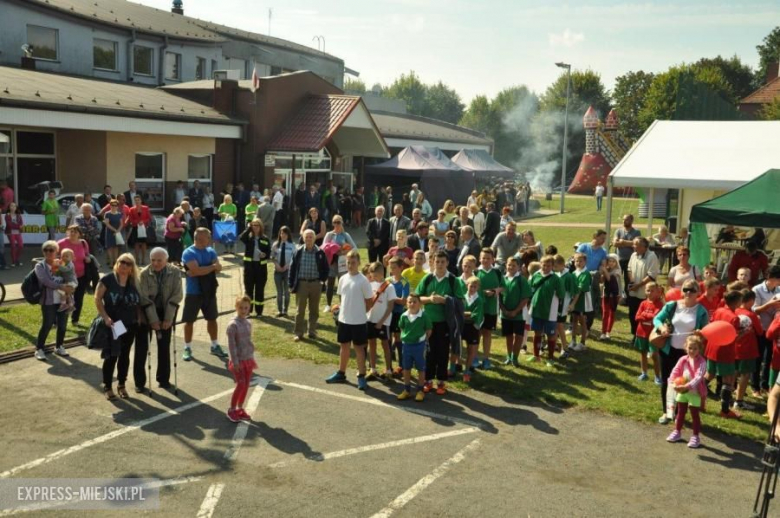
(650, 212)
(608, 225)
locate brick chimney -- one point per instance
(178, 7)
(771, 71)
(224, 95)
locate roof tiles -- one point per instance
(765, 94)
(315, 123)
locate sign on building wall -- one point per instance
(34, 231)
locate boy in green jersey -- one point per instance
(547, 290)
(492, 284)
(513, 299)
(569, 287)
(415, 330)
(583, 303)
(474, 316)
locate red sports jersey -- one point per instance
(710, 305)
(747, 344)
(644, 316)
(724, 353)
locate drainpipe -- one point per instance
(130, 43)
(162, 60)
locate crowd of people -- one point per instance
(434, 292)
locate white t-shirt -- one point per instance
(380, 306)
(278, 200)
(599, 190)
(353, 290)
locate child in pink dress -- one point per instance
(687, 379)
(242, 357)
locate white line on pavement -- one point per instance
(112, 435)
(373, 447)
(210, 502)
(49, 505)
(376, 402)
(405, 497)
(243, 427)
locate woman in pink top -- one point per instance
(687, 378)
(80, 259)
(174, 229)
(13, 229)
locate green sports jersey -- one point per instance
(547, 291)
(490, 280)
(583, 280)
(515, 290)
(477, 309)
(569, 289)
(413, 331)
(430, 285)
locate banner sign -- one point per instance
(34, 231)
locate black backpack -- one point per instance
(31, 288)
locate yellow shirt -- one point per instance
(413, 278)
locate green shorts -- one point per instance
(643, 344)
(772, 377)
(721, 369)
(691, 397)
(746, 366)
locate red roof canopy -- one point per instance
(315, 123)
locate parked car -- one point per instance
(64, 199)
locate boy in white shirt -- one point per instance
(379, 320)
(356, 299)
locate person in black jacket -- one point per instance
(308, 272)
(378, 232)
(419, 240)
(256, 253)
(492, 225)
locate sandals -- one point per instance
(110, 394)
(122, 392)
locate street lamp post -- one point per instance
(567, 66)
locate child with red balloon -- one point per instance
(687, 380)
(721, 350)
(747, 346)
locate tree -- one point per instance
(771, 111)
(514, 108)
(768, 52)
(586, 90)
(443, 103)
(409, 89)
(480, 117)
(738, 75)
(628, 99)
(354, 86)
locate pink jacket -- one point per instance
(695, 373)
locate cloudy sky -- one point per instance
(483, 46)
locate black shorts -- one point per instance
(470, 334)
(373, 333)
(562, 319)
(194, 304)
(512, 327)
(490, 323)
(357, 334)
(396, 318)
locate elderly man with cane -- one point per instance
(161, 294)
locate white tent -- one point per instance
(703, 159)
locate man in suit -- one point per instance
(469, 245)
(106, 197)
(416, 219)
(131, 193)
(398, 221)
(378, 232)
(196, 194)
(266, 213)
(312, 198)
(461, 221)
(492, 225)
(419, 240)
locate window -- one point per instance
(214, 66)
(200, 68)
(43, 42)
(104, 54)
(35, 163)
(172, 66)
(7, 158)
(199, 168)
(150, 178)
(143, 60)
(275, 71)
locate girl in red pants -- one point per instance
(13, 229)
(611, 275)
(242, 357)
(687, 378)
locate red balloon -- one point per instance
(719, 333)
(673, 294)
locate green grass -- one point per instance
(582, 209)
(19, 325)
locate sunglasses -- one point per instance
(337, 222)
(126, 263)
(47, 250)
(690, 290)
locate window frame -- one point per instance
(141, 183)
(56, 42)
(177, 64)
(203, 181)
(204, 69)
(151, 61)
(116, 55)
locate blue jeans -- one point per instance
(50, 316)
(599, 199)
(282, 291)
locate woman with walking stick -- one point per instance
(161, 295)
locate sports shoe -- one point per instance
(486, 365)
(362, 383)
(313, 336)
(643, 377)
(60, 351)
(337, 377)
(388, 375)
(508, 361)
(398, 372)
(695, 442)
(326, 309)
(515, 363)
(441, 389)
(603, 336)
(427, 387)
(466, 377)
(532, 359)
(658, 381)
(579, 347)
(187, 355)
(242, 415)
(233, 415)
(371, 375)
(675, 436)
(216, 350)
(404, 395)
(40, 354)
(549, 364)
(730, 415)
(565, 354)
(741, 405)
(420, 396)
(475, 364)
(607, 337)
(664, 419)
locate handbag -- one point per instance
(140, 231)
(119, 239)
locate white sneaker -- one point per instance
(603, 336)
(40, 354)
(326, 309)
(664, 419)
(60, 351)
(578, 347)
(607, 337)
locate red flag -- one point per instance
(255, 80)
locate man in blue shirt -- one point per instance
(202, 266)
(595, 255)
